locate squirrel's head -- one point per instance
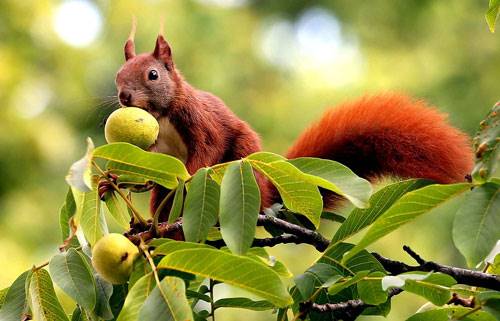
(147, 80)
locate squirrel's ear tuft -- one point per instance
(129, 48)
(163, 52)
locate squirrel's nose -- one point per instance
(125, 98)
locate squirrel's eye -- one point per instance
(153, 75)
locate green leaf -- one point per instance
(3, 294)
(314, 277)
(67, 211)
(370, 289)
(89, 215)
(380, 202)
(243, 303)
(140, 269)
(116, 210)
(170, 246)
(125, 158)
(104, 291)
(72, 274)
(79, 175)
(339, 286)
(14, 303)
(298, 194)
(167, 302)
(239, 207)
(362, 261)
(261, 255)
(176, 209)
(492, 14)
(407, 208)
(455, 313)
(337, 178)
(476, 226)
(232, 269)
(201, 207)
(44, 303)
(136, 297)
(486, 142)
(435, 288)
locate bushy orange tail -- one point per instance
(389, 135)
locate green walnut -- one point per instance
(113, 257)
(132, 125)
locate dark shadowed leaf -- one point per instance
(476, 226)
(15, 300)
(72, 274)
(176, 209)
(243, 303)
(370, 289)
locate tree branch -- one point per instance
(462, 276)
(346, 311)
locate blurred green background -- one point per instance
(277, 64)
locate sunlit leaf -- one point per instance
(407, 208)
(298, 194)
(90, 216)
(492, 14)
(230, 268)
(380, 202)
(79, 175)
(167, 302)
(201, 206)
(136, 297)
(239, 207)
(67, 211)
(337, 178)
(72, 274)
(452, 313)
(476, 226)
(117, 210)
(125, 158)
(435, 287)
(43, 300)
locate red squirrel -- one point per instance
(388, 134)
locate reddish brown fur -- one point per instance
(389, 135)
(374, 136)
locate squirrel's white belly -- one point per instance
(170, 141)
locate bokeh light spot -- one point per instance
(77, 22)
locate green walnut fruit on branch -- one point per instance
(132, 125)
(113, 258)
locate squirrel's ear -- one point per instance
(129, 48)
(163, 52)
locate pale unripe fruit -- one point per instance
(132, 125)
(113, 257)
